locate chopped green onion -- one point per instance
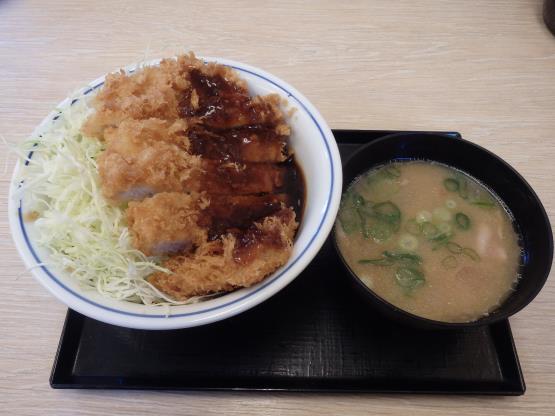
(390, 257)
(483, 204)
(452, 185)
(409, 277)
(440, 240)
(451, 204)
(408, 242)
(348, 215)
(358, 200)
(379, 221)
(351, 199)
(366, 210)
(387, 211)
(440, 237)
(383, 184)
(441, 214)
(412, 227)
(454, 247)
(444, 227)
(384, 261)
(403, 257)
(429, 230)
(349, 220)
(450, 262)
(380, 231)
(423, 216)
(471, 254)
(462, 221)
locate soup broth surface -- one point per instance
(429, 239)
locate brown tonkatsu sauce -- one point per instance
(295, 187)
(217, 100)
(248, 239)
(246, 144)
(248, 172)
(222, 104)
(227, 213)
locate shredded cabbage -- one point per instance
(85, 235)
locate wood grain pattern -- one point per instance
(484, 68)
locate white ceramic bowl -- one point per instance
(316, 152)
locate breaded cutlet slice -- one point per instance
(236, 260)
(173, 222)
(181, 88)
(227, 212)
(220, 100)
(131, 135)
(150, 92)
(167, 223)
(143, 157)
(245, 144)
(234, 178)
(155, 91)
(164, 167)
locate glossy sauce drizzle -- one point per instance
(248, 171)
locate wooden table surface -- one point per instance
(484, 68)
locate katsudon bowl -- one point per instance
(316, 154)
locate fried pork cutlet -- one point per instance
(172, 222)
(227, 212)
(234, 178)
(246, 144)
(167, 223)
(238, 259)
(143, 157)
(149, 93)
(223, 103)
(163, 167)
(132, 135)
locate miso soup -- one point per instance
(429, 239)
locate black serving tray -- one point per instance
(314, 335)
